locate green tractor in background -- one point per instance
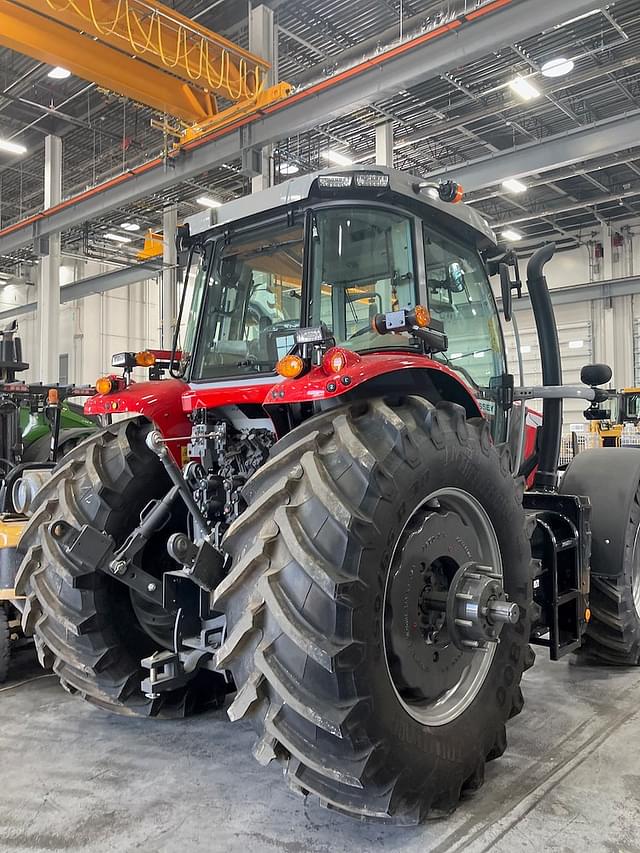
(39, 424)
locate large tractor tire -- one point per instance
(5, 642)
(92, 630)
(357, 524)
(610, 478)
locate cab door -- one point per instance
(460, 296)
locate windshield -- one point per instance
(252, 304)
(251, 300)
(362, 265)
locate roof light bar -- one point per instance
(371, 179)
(335, 182)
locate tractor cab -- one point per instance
(339, 252)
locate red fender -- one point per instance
(160, 401)
(320, 384)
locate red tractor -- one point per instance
(333, 508)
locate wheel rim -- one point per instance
(434, 679)
(635, 578)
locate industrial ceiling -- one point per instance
(449, 124)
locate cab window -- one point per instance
(252, 303)
(362, 265)
(460, 297)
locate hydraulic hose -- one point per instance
(551, 431)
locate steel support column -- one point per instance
(49, 273)
(168, 286)
(384, 144)
(263, 42)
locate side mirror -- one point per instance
(455, 277)
(595, 374)
(505, 292)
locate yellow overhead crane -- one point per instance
(146, 52)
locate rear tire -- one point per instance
(610, 477)
(306, 640)
(85, 624)
(5, 643)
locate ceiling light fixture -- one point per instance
(130, 226)
(577, 18)
(59, 73)
(524, 89)
(117, 238)
(12, 147)
(336, 158)
(207, 201)
(288, 168)
(511, 234)
(513, 185)
(557, 67)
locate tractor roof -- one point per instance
(300, 188)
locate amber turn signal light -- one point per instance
(145, 359)
(421, 316)
(104, 385)
(290, 366)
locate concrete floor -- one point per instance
(76, 779)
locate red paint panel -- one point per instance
(159, 401)
(316, 384)
(225, 394)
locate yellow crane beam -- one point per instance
(140, 49)
(21, 31)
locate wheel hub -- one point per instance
(478, 607)
(445, 606)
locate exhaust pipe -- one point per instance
(546, 477)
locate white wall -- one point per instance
(91, 329)
(609, 329)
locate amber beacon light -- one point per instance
(290, 366)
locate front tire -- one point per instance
(308, 616)
(87, 626)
